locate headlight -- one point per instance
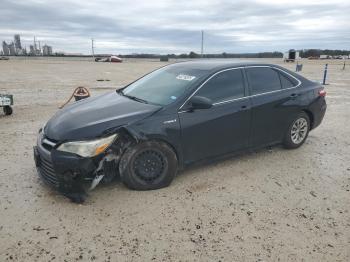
(88, 148)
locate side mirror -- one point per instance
(200, 102)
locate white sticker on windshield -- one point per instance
(185, 77)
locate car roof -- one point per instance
(210, 66)
(218, 64)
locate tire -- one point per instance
(8, 110)
(147, 166)
(297, 131)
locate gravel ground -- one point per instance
(269, 205)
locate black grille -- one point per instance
(48, 173)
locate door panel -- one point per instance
(271, 115)
(273, 107)
(218, 130)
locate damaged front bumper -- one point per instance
(69, 173)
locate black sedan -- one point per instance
(172, 117)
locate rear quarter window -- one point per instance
(286, 81)
(263, 80)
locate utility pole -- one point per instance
(202, 43)
(92, 48)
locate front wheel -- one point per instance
(148, 165)
(297, 131)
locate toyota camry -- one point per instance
(172, 117)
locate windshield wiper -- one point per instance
(134, 98)
(137, 99)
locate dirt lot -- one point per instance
(270, 205)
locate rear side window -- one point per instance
(263, 79)
(223, 86)
(286, 81)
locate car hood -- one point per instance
(90, 118)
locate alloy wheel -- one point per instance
(299, 130)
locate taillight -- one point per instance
(322, 93)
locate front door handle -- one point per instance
(244, 107)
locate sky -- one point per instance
(169, 26)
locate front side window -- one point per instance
(164, 85)
(263, 79)
(223, 86)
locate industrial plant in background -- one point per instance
(15, 48)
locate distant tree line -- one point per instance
(305, 53)
(192, 55)
(317, 52)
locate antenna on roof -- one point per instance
(202, 43)
(92, 48)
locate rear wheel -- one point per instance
(147, 166)
(7, 110)
(297, 131)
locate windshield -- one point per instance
(164, 85)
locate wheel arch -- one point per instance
(169, 144)
(311, 117)
(139, 138)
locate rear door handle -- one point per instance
(244, 107)
(293, 96)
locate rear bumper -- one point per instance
(318, 110)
